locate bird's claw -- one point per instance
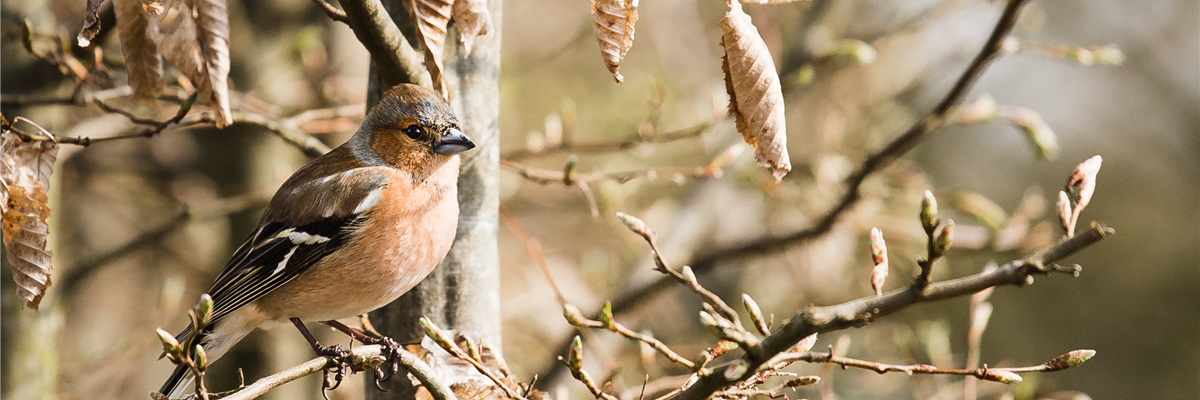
(339, 355)
(390, 349)
(332, 381)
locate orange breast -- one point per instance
(404, 237)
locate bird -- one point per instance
(347, 233)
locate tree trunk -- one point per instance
(463, 294)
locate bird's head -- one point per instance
(413, 129)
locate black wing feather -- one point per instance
(330, 203)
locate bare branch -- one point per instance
(862, 311)
(632, 141)
(574, 317)
(546, 177)
(397, 60)
(331, 11)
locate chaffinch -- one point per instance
(349, 232)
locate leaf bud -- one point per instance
(1083, 179)
(606, 316)
(945, 237)
(573, 315)
(878, 247)
(1069, 360)
(170, 345)
(756, 315)
(200, 357)
(636, 225)
(736, 370)
(204, 310)
(804, 381)
(1002, 376)
(575, 356)
(1064, 210)
(929, 212)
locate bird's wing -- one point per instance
(299, 228)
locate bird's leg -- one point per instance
(336, 351)
(331, 351)
(360, 336)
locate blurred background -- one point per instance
(141, 227)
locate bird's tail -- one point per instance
(177, 384)
(215, 345)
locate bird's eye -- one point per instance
(414, 131)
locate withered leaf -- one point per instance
(195, 38)
(473, 19)
(212, 20)
(613, 22)
(153, 6)
(755, 97)
(141, 54)
(431, 17)
(91, 23)
(25, 169)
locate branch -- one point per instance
(576, 319)
(410, 362)
(862, 311)
(546, 177)
(398, 62)
(287, 129)
(333, 13)
(632, 141)
(569, 177)
(1002, 375)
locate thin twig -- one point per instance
(608, 323)
(632, 141)
(546, 177)
(533, 247)
(331, 11)
(984, 373)
(285, 129)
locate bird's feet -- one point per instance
(392, 351)
(333, 375)
(335, 351)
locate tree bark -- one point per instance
(463, 294)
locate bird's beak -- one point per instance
(452, 143)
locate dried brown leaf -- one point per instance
(91, 23)
(431, 17)
(212, 19)
(141, 54)
(153, 6)
(473, 19)
(755, 97)
(613, 22)
(25, 169)
(195, 38)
